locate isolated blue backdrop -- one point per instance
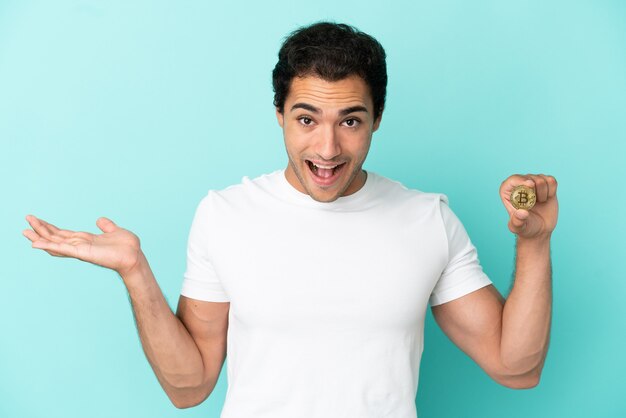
(134, 109)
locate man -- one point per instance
(315, 279)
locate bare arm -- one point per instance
(509, 338)
(187, 350)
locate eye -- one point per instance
(352, 123)
(305, 120)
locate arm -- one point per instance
(509, 338)
(187, 350)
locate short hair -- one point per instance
(331, 51)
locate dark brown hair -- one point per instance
(331, 51)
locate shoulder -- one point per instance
(243, 195)
(396, 193)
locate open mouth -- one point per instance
(325, 174)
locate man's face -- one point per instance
(327, 126)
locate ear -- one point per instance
(280, 117)
(377, 122)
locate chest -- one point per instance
(331, 270)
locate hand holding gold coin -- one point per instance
(531, 203)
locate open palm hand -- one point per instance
(116, 248)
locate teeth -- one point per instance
(325, 167)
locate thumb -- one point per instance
(518, 219)
(106, 225)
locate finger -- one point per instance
(541, 187)
(80, 236)
(508, 205)
(518, 220)
(53, 229)
(512, 182)
(42, 229)
(106, 225)
(529, 182)
(55, 248)
(38, 226)
(52, 253)
(39, 242)
(31, 235)
(552, 185)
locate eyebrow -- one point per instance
(316, 110)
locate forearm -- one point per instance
(171, 351)
(527, 313)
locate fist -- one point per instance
(540, 221)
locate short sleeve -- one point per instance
(463, 274)
(200, 280)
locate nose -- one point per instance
(328, 146)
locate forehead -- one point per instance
(349, 91)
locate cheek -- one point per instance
(357, 144)
(298, 137)
(294, 143)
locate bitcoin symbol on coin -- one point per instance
(523, 197)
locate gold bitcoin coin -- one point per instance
(523, 197)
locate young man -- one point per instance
(315, 279)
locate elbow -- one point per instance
(187, 396)
(534, 382)
(180, 404)
(188, 390)
(523, 373)
(527, 380)
(186, 400)
(183, 403)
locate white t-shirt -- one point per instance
(327, 300)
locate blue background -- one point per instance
(134, 109)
